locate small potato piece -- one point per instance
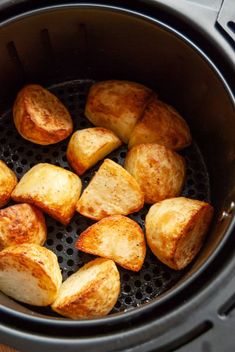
(40, 117)
(21, 223)
(30, 274)
(161, 124)
(87, 147)
(91, 292)
(175, 230)
(8, 182)
(51, 188)
(117, 105)
(159, 171)
(115, 237)
(112, 191)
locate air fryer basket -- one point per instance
(68, 47)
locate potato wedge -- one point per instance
(8, 182)
(175, 230)
(111, 191)
(30, 274)
(117, 105)
(87, 147)
(40, 117)
(21, 223)
(115, 237)
(161, 124)
(91, 292)
(159, 171)
(51, 188)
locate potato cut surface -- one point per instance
(111, 191)
(91, 292)
(8, 181)
(30, 274)
(51, 188)
(175, 229)
(87, 147)
(115, 237)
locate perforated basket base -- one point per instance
(20, 155)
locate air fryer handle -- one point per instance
(226, 17)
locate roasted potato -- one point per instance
(115, 237)
(8, 182)
(51, 188)
(91, 292)
(161, 124)
(40, 117)
(87, 147)
(111, 191)
(159, 171)
(30, 274)
(21, 223)
(117, 105)
(175, 229)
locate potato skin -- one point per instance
(87, 147)
(8, 181)
(117, 105)
(115, 237)
(40, 117)
(159, 171)
(21, 223)
(161, 124)
(30, 273)
(91, 292)
(52, 189)
(176, 228)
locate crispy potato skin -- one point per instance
(21, 223)
(115, 237)
(159, 171)
(8, 181)
(176, 228)
(91, 292)
(40, 117)
(87, 147)
(30, 273)
(112, 191)
(161, 124)
(117, 105)
(51, 188)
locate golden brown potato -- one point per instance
(87, 147)
(51, 188)
(112, 191)
(40, 117)
(91, 292)
(161, 124)
(21, 223)
(115, 237)
(8, 182)
(30, 273)
(117, 105)
(159, 171)
(175, 229)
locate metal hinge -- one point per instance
(226, 17)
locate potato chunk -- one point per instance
(117, 105)
(21, 223)
(8, 182)
(51, 188)
(91, 292)
(115, 237)
(161, 124)
(40, 117)
(87, 147)
(30, 274)
(159, 171)
(112, 191)
(175, 230)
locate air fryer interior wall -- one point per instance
(57, 45)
